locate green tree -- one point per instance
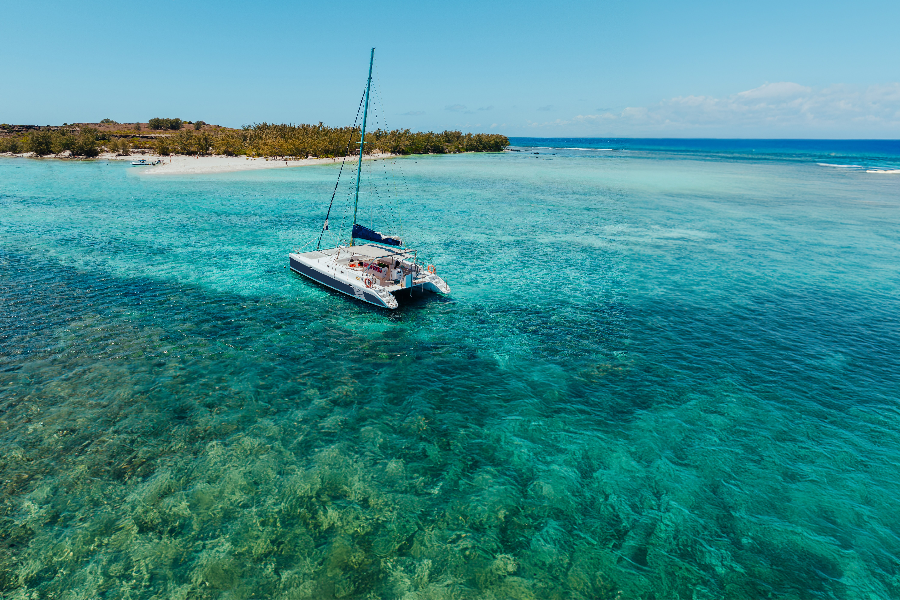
(162, 146)
(229, 143)
(61, 141)
(39, 142)
(120, 146)
(10, 144)
(160, 124)
(86, 143)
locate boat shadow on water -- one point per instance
(415, 297)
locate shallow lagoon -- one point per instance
(659, 375)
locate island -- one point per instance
(173, 136)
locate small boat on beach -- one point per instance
(143, 162)
(373, 267)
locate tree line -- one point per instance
(157, 123)
(78, 142)
(321, 141)
(262, 139)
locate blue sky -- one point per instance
(616, 68)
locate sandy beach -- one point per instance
(198, 165)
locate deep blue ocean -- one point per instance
(668, 369)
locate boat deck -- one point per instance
(380, 267)
(370, 273)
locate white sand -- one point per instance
(196, 165)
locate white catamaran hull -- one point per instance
(332, 268)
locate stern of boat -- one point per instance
(435, 284)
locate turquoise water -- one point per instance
(660, 374)
(852, 154)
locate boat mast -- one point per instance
(362, 141)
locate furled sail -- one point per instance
(364, 233)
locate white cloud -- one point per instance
(781, 109)
(783, 90)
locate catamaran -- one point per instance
(374, 267)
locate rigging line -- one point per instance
(392, 189)
(348, 207)
(392, 200)
(371, 186)
(377, 207)
(374, 91)
(385, 209)
(343, 160)
(378, 204)
(362, 141)
(344, 220)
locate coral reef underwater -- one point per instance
(182, 418)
